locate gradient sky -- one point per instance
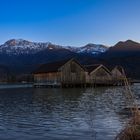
(70, 22)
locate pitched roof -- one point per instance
(91, 68)
(112, 67)
(50, 67)
(109, 67)
(120, 68)
(54, 66)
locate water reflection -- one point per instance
(62, 113)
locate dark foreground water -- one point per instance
(63, 114)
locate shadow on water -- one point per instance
(62, 113)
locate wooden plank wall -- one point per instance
(72, 73)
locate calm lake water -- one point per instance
(63, 114)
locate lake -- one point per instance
(63, 114)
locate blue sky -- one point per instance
(70, 22)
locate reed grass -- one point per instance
(132, 129)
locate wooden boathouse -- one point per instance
(70, 73)
(118, 75)
(98, 74)
(66, 73)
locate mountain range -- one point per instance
(20, 46)
(22, 56)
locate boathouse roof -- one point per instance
(120, 68)
(50, 67)
(112, 67)
(53, 66)
(90, 68)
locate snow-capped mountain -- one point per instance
(20, 46)
(92, 48)
(89, 48)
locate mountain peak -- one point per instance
(131, 42)
(93, 48)
(14, 42)
(127, 43)
(21, 46)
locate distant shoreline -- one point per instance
(15, 85)
(25, 85)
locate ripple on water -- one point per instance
(62, 113)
